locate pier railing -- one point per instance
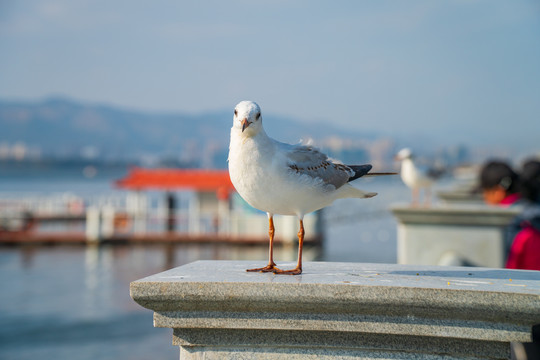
(217, 310)
(131, 214)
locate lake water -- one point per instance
(69, 302)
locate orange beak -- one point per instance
(245, 124)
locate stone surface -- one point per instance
(336, 310)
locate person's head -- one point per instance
(497, 181)
(530, 180)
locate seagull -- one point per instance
(416, 177)
(285, 179)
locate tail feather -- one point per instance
(349, 191)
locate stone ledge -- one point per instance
(216, 304)
(336, 342)
(452, 234)
(405, 325)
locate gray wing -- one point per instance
(430, 172)
(310, 161)
(435, 173)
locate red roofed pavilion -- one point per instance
(217, 215)
(172, 179)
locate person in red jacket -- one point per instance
(503, 187)
(525, 250)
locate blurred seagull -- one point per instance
(285, 179)
(416, 177)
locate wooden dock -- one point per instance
(78, 238)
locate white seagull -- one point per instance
(415, 176)
(285, 179)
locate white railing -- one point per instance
(138, 213)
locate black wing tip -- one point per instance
(359, 170)
(363, 170)
(435, 173)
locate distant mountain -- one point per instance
(60, 126)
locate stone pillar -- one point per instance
(452, 235)
(107, 221)
(136, 203)
(336, 310)
(93, 224)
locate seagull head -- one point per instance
(247, 118)
(404, 154)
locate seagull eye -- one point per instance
(258, 116)
(235, 112)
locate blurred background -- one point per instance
(101, 101)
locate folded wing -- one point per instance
(308, 160)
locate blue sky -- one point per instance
(457, 71)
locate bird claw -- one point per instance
(267, 268)
(296, 271)
(274, 269)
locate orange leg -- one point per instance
(271, 264)
(298, 269)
